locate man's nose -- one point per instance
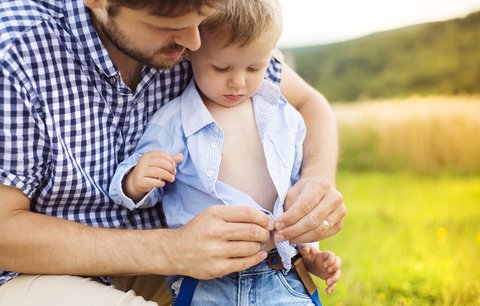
(189, 38)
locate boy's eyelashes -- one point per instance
(224, 69)
(253, 69)
(220, 69)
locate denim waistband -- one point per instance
(262, 267)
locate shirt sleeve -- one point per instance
(25, 145)
(156, 137)
(118, 195)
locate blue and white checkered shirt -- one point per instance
(66, 117)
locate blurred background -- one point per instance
(403, 78)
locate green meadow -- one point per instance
(410, 176)
(408, 240)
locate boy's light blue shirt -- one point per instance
(185, 125)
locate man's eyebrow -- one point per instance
(170, 29)
(166, 28)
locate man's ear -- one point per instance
(95, 4)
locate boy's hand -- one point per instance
(325, 265)
(152, 171)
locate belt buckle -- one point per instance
(274, 261)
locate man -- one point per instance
(78, 83)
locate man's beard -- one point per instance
(157, 61)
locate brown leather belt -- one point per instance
(274, 261)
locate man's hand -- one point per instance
(221, 240)
(152, 171)
(310, 202)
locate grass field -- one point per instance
(424, 135)
(408, 240)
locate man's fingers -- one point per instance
(243, 214)
(243, 263)
(242, 248)
(311, 226)
(305, 202)
(241, 232)
(318, 233)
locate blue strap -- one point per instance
(316, 298)
(187, 289)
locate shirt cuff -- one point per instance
(119, 197)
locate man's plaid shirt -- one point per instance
(66, 117)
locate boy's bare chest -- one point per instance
(243, 164)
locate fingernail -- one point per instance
(264, 255)
(271, 225)
(279, 237)
(280, 226)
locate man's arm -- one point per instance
(314, 198)
(204, 248)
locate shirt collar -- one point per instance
(265, 100)
(270, 93)
(195, 114)
(80, 23)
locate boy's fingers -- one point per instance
(158, 154)
(331, 288)
(177, 157)
(167, 165)
(305, 251)
(328, 258)
(334, 278)
(159, 173)
(334, 265)
(153, 183)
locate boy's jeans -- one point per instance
(259, 285)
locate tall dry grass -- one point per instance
(425, 135)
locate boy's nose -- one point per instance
(237, 82)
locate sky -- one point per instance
(317, 22)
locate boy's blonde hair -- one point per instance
(241, 22)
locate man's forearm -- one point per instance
(321, 143)
(37, 244)
(220, 240)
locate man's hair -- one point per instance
(164, 8)
(243, 21)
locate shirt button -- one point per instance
(210, 173)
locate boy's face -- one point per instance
(155, 41)
(228, 76)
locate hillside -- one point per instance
(441, 58)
